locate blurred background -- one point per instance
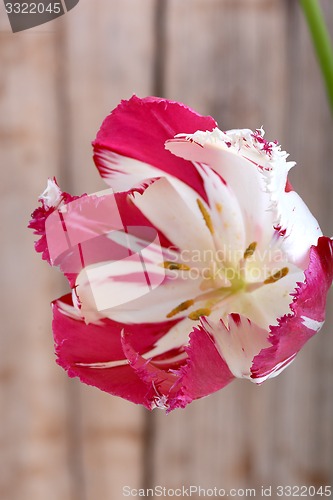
(246, 62)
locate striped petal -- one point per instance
(95, 353)
(306, 318)
(205, 371)
(129, 148)
(256, 171)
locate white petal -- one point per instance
(301, 228)
(279, 368)
(229, 230)
(270, 302)
(51, 196)
(135, 240)
(178, 218)
(312, 324)
(121, 291)
(265, 305)
(123, 173)
(238, 343)
(258, 179)
(176, 337)
(241, 175)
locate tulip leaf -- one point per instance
(321, 41)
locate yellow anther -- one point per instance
(182, 307)
(250, 250)
(195, 315)
(175, 265)
(219, 207)
(277, 276)
(206, 216)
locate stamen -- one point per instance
(182, 307)
(219, 207)
(175, 265)
(250, 250)
(195, 315)
(277, 276)
(206, 216)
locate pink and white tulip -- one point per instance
(199, 265)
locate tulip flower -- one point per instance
(197, 265)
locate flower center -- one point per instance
(221, 281)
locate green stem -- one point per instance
(322, 42)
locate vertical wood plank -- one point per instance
(250, 63)
(309, 139)
(108, 56)
(33, 413)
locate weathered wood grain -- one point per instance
(250, 63)
(33, 406)
(107, 55)
(58, 83)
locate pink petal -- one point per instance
(138, 129)
(104, 357)
(205, 371)
(307, 314)
(174, 387)
(75, 233)
(95, 352)
(162, 383)
(298, 228)
(237, 342)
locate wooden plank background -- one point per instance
(246, 62)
